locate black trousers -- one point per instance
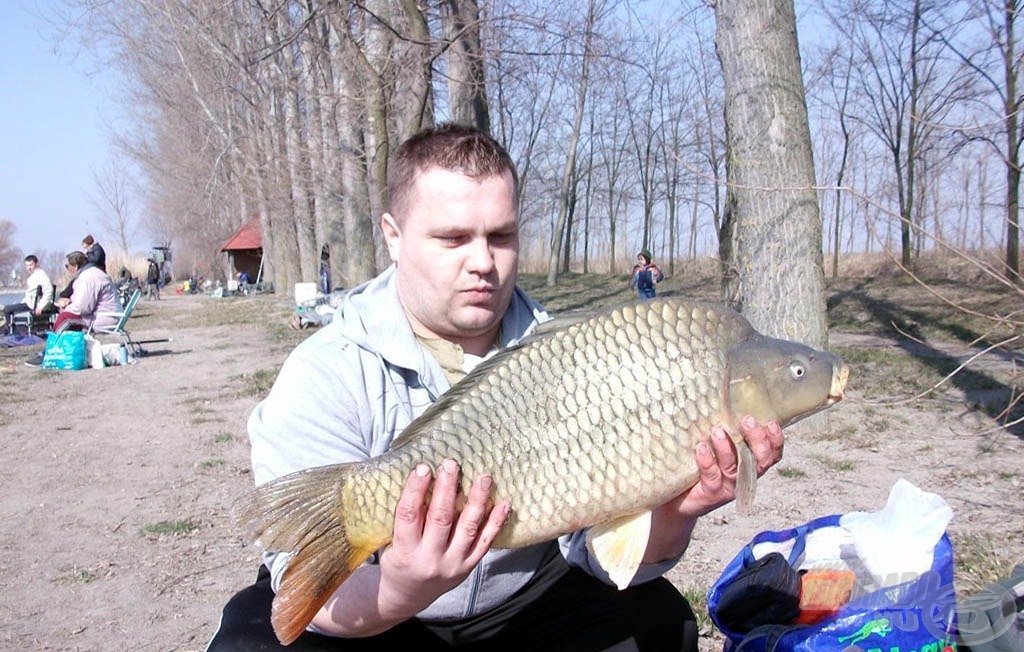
(562, 608)
(12, 309)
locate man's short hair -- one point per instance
(449, 146)
(78, 259)
(31, 259)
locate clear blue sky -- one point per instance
(53, 133)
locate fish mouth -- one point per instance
(838, 389)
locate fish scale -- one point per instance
(589, 425)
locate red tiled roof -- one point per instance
(247, 237)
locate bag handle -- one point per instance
(764, 638)
(798, 535)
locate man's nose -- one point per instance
(480, 258)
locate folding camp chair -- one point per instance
(120, 328)
(32, 323)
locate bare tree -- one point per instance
(994, 56)
(112, 200)
(10, 256)
(569, 171)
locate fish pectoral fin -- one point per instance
(746, 478)
(619, 546)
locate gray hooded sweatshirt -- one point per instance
(348, 390)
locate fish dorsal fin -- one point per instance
(446, 400)
(619, 546)
(746, 477)
(559, 322)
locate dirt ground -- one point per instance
(118, 483)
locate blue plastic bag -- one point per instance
(65, 351)
(915, 616)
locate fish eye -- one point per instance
(797, 370)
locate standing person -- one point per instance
(93, 296)
(397, 343)
(153, 280)
(646, 275)
(95, 253)
(38, 292)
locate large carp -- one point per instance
(592, 424)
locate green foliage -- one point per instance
(172, 528)
(791, 473)
(983, 557)
(256, 383)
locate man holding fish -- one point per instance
(440, 575)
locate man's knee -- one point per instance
(663, 617)
(245, 621)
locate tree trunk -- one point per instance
(776, 244)
(570, 163)
(1012, 147)
(467, 92)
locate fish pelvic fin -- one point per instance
(300, 513)
(619, 546)
(746, 477)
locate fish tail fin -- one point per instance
(312, 576)
(300, 513)
(746, 478)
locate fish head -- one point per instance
(783, 381)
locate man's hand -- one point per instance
(435, 547)
(717, 464)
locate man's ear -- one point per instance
(392, 235)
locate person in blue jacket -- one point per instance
(646, 275)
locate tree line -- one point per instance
(614, 112)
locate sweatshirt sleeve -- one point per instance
(313, 416)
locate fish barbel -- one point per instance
(591, 425)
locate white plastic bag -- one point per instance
(896, 543)
(94, 352)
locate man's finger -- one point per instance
(707, 467)
(476, 517)
(725, 452)
(409, 512)
(437, 526)
(765, 442)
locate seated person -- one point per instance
(92, 293)
(243, 282)
(38, 293)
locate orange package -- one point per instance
(822, 591)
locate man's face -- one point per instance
(30, 266)
(456, 250)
